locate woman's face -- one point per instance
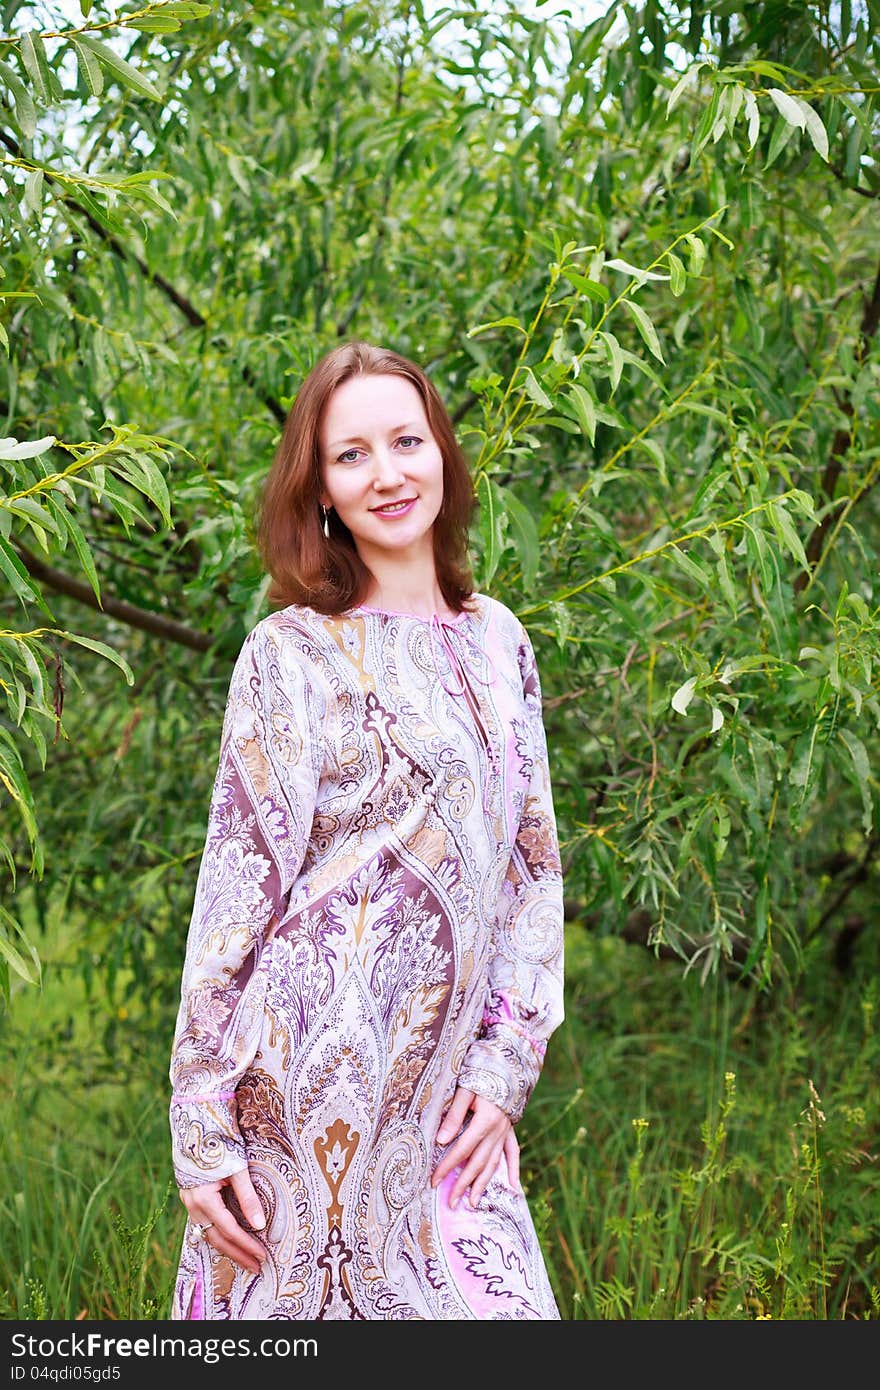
(381, 468)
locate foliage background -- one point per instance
(637, 250)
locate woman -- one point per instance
(374, 960)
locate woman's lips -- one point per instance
(391, 509)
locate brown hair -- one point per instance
(328, 574)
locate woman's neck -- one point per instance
(410, 590)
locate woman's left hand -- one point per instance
(488, 1133)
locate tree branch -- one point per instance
(142, 618)
(179, 300)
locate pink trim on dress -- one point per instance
(197, 1305)
(209, 1095)
(504, 1015)
(400, 613)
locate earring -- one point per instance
(326, 522)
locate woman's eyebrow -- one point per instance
(359, 439)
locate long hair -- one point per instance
(328, 574)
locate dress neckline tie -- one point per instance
(442, 628)
(457, 659)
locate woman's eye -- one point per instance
(411, 439)
(349, 456)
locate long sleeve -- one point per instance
(259, 822)
(524, 999)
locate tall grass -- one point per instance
(691, 1151)
(717, 1156)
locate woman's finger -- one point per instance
(478, 1162)
(248, 1199)
(227, 1237)
(461, 1150)
(221, 1229)
(455, 1116)
(511, 1153)
(482, 1180)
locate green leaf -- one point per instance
(722, 816)
(806, 764)
(34, 669)
(15, 572)
(714, 482)
(789, 109)
(815, 129)
(726, 583)
(33, 190)
(237, 170)
(716, 232)
(83, 552)
(153, 23)
(756, 544)
(506, 322)
(584, 408)
(782, 133)
(615, 358)
(25, 111)
(778, 71)
(29, 970)
(14, 778)
(859, 754)
(535, 391)
(690, 407)
(562, 422)
(646, 328)
(25, 449)
(103, 650)
(677, 274)
(683, 695)
(120, 69)
(32, 50)
(561, 622)
(525, 536)
(31, 511)
(690, 567)
(90, 68)
(707, 121)
(491, 521)
(784, 528)
(640, 275)
(752, 116)
(49, 82)
(593, 289)
(687, 79)
(697, 250)
(152, 484)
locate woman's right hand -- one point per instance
(206, 1207)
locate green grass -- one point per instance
(89, 1212)
(691, 1151)
(717, 1156)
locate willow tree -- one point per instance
(638, 256)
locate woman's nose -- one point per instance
(386, 469)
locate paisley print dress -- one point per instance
(377, 920)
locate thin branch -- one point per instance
(858, 875)
(178, 299)
(852, 187)
(142, 618)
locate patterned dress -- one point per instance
(377, 920)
